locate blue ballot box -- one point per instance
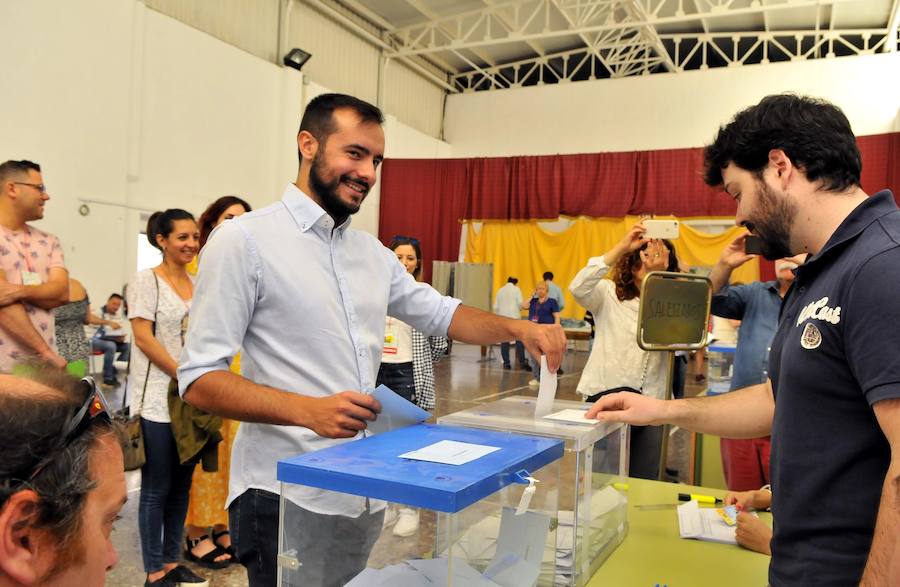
(593, 516)
(472, 507)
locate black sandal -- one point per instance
(208, 560)
(229, 549)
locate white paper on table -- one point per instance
(704, 524)
(450, 452)
(573, 415)
(546, 392)
(396, 412)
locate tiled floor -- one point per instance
(463, 379)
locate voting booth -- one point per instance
(487, 504)
(592, 518)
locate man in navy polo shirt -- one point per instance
(832, 402)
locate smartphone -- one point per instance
(753, 245)
(667, 229)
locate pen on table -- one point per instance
(700, 498)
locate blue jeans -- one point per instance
(520, 353)
(399, 377)
(165, 489)
(109, 348)
(332, 549)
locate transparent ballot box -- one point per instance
(720, 364)
(592, 519)
(472, 508)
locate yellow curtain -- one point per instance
(524, 250)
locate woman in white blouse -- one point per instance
(159, 300)
(616, 360)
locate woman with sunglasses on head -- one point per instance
(207, 518)
(407, 365)
(159, 300)
(616, 361)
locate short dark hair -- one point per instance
(548, 276)
(163, 223)
(208, 219)
(115, 296)
(813, 133)
(33, 419)
(512, 280)
(13, 167)
(414, 243)
(318, 119)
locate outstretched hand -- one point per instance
(630, 408)
(544, 339)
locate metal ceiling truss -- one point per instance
(621, 58)
(619, 38)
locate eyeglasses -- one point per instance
(94, 406)
(38, 186)
(409, 239)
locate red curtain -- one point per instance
(427, 198)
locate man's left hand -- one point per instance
(544, 339)
(10, 293)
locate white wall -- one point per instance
(122, 104)
(662, 111)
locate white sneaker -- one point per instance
(390, 516)
(407, 523)
(534, 383)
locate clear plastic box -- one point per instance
(720, 367)
(487, 522)
(595, 461)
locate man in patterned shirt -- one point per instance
(33, 276)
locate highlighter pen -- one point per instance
(699, 498)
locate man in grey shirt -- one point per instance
(305, 299)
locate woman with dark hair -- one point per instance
(225, 208)
(159, 300)
(207, 518)
(407, 365)
(616, 361)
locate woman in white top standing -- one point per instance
(159, 300)
(616, 360)
(407, 365)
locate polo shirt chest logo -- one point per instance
(819, 310)
(811, 337)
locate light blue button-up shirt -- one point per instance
(305, 302)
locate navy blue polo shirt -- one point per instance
(543, 313)
(835, 354)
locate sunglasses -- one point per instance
(94, 406)
(409, 239)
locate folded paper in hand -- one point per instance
(396, 412)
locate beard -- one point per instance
(327, 190)
(772, 222)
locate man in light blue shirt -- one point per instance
(554, 291)
(305, 300)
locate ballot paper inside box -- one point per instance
(439, 536)
(592, 518)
